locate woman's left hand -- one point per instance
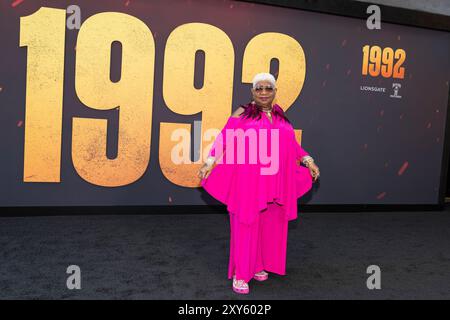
(314, 170)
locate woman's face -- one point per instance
(264, 93)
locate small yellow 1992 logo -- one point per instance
(386, 62)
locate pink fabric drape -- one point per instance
(242, 187)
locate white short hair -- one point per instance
(264, 77)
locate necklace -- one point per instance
(268, 112)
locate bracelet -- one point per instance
(307, 160)
(210, 161)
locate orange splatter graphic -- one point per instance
(381, 195)
(403, 168)
(16, 3)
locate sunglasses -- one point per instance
(261, 88)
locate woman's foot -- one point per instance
(240, 286)
(261, 276)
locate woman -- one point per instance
(260, 199)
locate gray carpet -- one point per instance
(186, 257)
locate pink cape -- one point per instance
(242, 187)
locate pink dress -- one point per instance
(242, 187)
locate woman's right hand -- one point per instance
(204, 171)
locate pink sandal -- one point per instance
(240, 286)
(261, 276)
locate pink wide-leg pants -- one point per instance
(261, 246)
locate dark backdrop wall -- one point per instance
(87, 115)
